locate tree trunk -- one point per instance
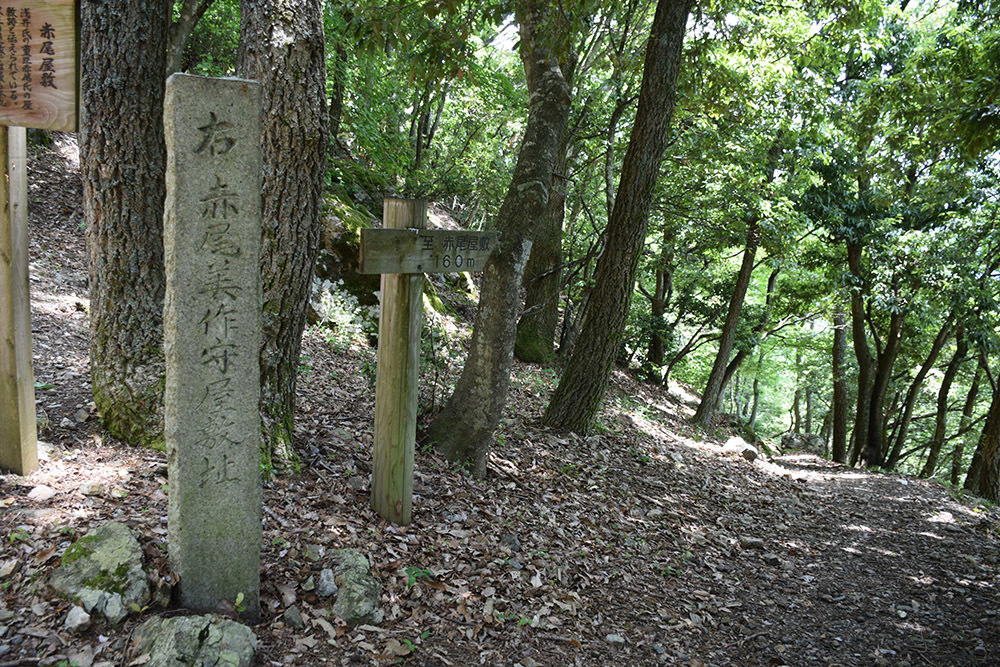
(967, 411)
(880, 386)
(909, 403)
(839, 408)
(180, 31)
(281, 45)
(941, 420)
(987, 481)
(123, 161)
(866, 363)
(536, 330)
(658, 303)
(463, 430)
(581, 388)
(714, 387)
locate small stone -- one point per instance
(77, 620)
(327, 586)
(515, 564)
(119, 493)
(309, 584)
(615, 639)
(114, 610)
(751, 542)
(81, 415)
(92, 489)
(771, 559)
(357, 482)
(293, 618)
(91, 599)
(313, 553)
(510, 541)
(66, 422)
(41, 493)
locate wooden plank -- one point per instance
(396, 376)
(18, 436)
(39, 64)
(424, 250)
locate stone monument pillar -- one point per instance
(212, 333)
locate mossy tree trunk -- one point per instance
(122, 161)
(581, 388)
(281, 46)
(463, 430)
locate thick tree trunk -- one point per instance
(839, 408)
(281, 45)
(909, 403)
(581, 388)
(463, 430)
(941, 420)
(986, 483)
(123, 160)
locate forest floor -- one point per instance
(641, 545)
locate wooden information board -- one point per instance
(424, 250)
(39, 64)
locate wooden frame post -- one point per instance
(396, 375)
(18, 434)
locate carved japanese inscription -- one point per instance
(212, 338)
(38, 64)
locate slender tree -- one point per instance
(463, 430)
(122, 162)
(281, 45)
(581, 388)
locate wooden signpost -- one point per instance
(38, 88)
(402, 251)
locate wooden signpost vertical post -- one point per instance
(38, 88)
(402, 251)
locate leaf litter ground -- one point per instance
(641, 545)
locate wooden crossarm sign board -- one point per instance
(425, 250)
(402, 251)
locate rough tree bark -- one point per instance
(123, 157)
(281, 45)
(463, 430)
(581, 388)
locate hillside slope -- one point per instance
(642, 545)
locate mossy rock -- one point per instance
(339, 255)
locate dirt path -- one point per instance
(643, 545)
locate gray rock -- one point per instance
(103, 572)
(809, 442)
(358, 592)
(77, 620)
(751, 542)
(327, 586)
(615, 639)
(293, 618)
(198, 641)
